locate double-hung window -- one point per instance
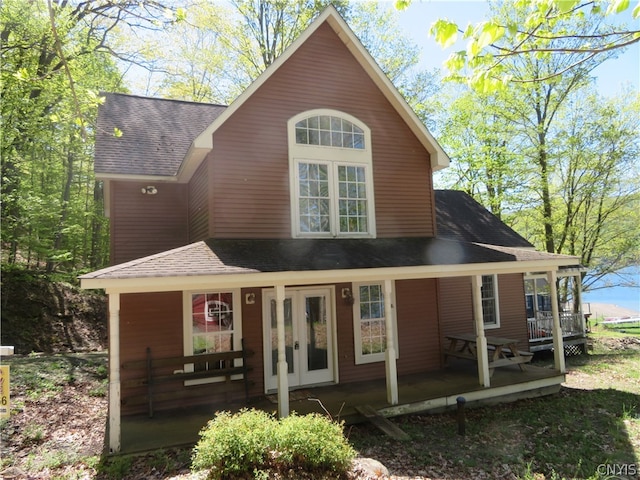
(490, 311)
(331, 177)
(370, 323)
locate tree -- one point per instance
(56, 55)
(570, 178)
(538, 33)
(218, 51)
(484, 146)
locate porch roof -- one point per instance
(339, 259)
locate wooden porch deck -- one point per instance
(431, 392)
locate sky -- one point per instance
(611, 76)
(417, 19)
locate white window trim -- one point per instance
(361, 358)
(187, 329)
(496, 306)
(334, 157)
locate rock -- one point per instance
(370, 468)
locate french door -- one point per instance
(308, 324)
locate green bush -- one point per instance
(253, 442)
(234, 444)
(312, 442)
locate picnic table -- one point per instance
(502, 352)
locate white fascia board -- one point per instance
(439, 159)
(136, 178)
(269, 279)
(204, 141)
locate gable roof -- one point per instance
(459, 217)
(156, 134)
(170, 138)
(204, 142)
(229, 261)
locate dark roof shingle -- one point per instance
(460, 217)
(229, 256)
(156, 133)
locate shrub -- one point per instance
(313, 442)
(252, 442)
(234, 444)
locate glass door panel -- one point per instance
(308, 337)
(317, 333)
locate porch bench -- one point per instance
(219, 367)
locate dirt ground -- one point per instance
(61, 434)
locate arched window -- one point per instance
(329, 131)
(331, 175)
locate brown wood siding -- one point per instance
(418, 333)
(513, 311)
(418, 326)
(252, 334)
(456, 308)
(151, 320)
(198, 204)
(142, 224)
(456, 305)
(249, 164)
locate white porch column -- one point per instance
(114, 372)
(390, 353)
(558, 344)
(578, 279)
(283, 368)
(481, 341)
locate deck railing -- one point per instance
(541, 327)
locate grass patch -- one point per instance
(41, 377)
(567, 435)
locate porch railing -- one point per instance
(541, 327)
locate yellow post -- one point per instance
(5, 394)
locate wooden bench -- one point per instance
(219, 367)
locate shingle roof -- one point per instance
(156, 133)
(460, 217)
(228, 256)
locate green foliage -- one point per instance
(312, 442)
(253, 442)
(51, 212)
(115, 468)
(543, 29)
(234, 444)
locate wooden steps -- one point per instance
(381, 422)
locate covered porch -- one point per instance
(430, 392)
(276, 266)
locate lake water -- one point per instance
(627, 297)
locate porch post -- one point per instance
(481, 341)
(558, 345)
(578, 279)
(283, 368)
(390, 352)
(114, 372)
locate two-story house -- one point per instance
(299, 223)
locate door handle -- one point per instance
(296, 346)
